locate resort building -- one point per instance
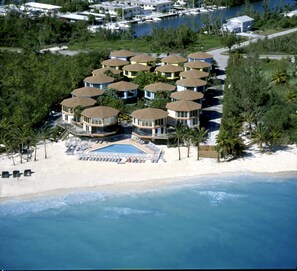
(174, 60)
(40, 7)
(201, 56)
(151, 90)
(169, 71)
(197, 65)
(185, 112)
(114, 63)
(126, 90)
(106, 70)
(100, 121)
(238, 24)
(187, 95)
(99, 81)
(122, 54)
(149, 123)
(69, 105)
(144, 60)
(132, 70)
(197, 74)
(153, 5)
(191, 84)
(87, 92)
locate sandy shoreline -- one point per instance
(61, 173)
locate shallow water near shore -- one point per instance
(240, 221)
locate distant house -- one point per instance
(155, 5)
(169, 71)
(40, 7)
(197, 74)
(100, 120)
(291, 13)
(174, 60)
(114, 63)
(187, 95)
(200, 56)
(132, 70)
(143, 59)
(149, 123)
(184, 112)
(68, 106)
(197, 65)
(238, 24)
(191, 84)
(122, 54)
(106, 69)
(151, 90)
(98, 81)
(87, 92)
(126, 90)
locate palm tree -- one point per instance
(250, 117)
(188, 138)
(45, 133)
(20, 135)
(199, 135)
(281, 77)
(179, 135)
(9, 146)
(223, 144)
(260, 135)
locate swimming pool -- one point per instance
(120, 148)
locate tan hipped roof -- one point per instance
(136, 68)
(194, 74)
(87, 92)
(115, 62)
(100, 112)
(103, 70)
(184, 106)
(159, 86)
(191, 82)
(197, 64)
(169, 68)
(200, 55)
(174, 59)
(143, 58)
(78, 101)
(99, 79)
(122, 53)
(123, 86)
(149, 114)
(187, 95)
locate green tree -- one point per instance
(229, 40)
(179, 135)
(199, 135)
(260, 135)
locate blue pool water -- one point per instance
(120, 148)
(240, 222)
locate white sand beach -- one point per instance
(61, 172)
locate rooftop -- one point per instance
(184, 106)
(187, 95)
(100, 112)
(123, 86)
(78, 101)
(191, 82)
(169, 68)
(159, 86)
(87, 92)
(99, 79)
(149, 114)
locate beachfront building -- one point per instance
(132, 70)
(126, 91)
(100, 121)
(114, 63)
(169, 71)
(174, 60)
(238, 24)
(191, 84)
(184, 112)
(69, 105)
(149, 123)
(122, 54)
(197, 74)
(87, 92)
(151, 90)
(153, 5)
(144, 60)
(200, 56)
(187, 95)
(103, 71)
(100, 81)
(197, 65)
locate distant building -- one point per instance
(238, 24)
(153, 5)
(45, 8)
(291, 13)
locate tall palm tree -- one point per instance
(20, 135)
(281, 77)
(188, 135)
(45, 134)
(199, 135)
(250, 118)
(179, 135)
(223, 145)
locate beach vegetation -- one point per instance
(199, 135)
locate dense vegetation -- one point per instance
(262, 105)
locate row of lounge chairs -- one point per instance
(16, 173)
(100, 158)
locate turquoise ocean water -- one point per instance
(244, 221)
